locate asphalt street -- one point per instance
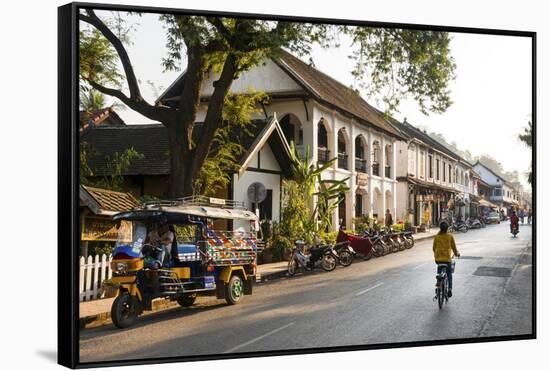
(384, 300)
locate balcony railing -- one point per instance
(360, 165)
(376, 169)
(323, 155)
(387, 172)
(343, 161)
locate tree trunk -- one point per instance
(181, 181)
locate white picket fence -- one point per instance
(93, 271)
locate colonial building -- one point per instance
(318, 112)
(426, 174)
(503, 194)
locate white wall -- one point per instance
(240, 187)
(268, 77)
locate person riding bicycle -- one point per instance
(514, 221)
(443, 247)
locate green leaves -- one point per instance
(222, 161)
(299, 208)
(397, 63)
(98, 59)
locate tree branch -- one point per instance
(156, 113)
(95, 21)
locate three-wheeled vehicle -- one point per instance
(199, 261)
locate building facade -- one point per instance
(319, 113)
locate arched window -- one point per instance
(292, 129)
(360, 154)
(342, 154)
(323, 154)
(376, 158)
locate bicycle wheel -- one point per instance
(440, 293)
(446, 288)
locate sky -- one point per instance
(491, 93)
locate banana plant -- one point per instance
(329, 192)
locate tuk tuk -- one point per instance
(199, 261)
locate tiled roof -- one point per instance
(101, 116)
(108, 200)
(151, 141)
(320, 86)
(414, 132)
(333, 92)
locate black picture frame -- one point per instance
(68, 201)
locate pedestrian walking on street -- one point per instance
(443, 247)
(522, 215)
(389, 219)
(529, 216)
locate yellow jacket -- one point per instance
(444, 244)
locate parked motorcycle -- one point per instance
(398, 241)
(361, 245)
(474, 223)
(345, 253)
(320, 255)
(379, 241)
(460, 226)
(409, 239)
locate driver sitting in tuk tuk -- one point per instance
(162, 237)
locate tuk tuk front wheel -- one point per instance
(124, 311)
(234, 290)
(187, 300)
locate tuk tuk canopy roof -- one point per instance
(180, 210)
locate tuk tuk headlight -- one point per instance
(121, 266)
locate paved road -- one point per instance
(387, 299)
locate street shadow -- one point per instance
(49, 355)
(146, 320)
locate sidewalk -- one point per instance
(98, 312)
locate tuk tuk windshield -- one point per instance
(132, 234)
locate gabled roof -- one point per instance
(271, 133)
(151, 141)
(322, 88)
(103, 116)
(106, 202)
(504, 180)
(413, 132)
(332, 92)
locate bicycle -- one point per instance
(442, 283)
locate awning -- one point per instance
(484, 202)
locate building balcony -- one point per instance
(361, 165)
(376, 169)
(387, 171)
(343, 161)
(323, 155)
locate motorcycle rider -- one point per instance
(514, 222)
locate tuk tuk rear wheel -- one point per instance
(187, 300)
(234, 290)
(124, 310)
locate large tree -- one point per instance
(527, 138)
(398, 62)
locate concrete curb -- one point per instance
(101, 319)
